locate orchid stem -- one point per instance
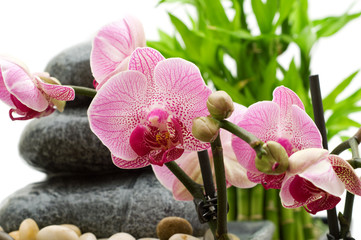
(84, 91)
(218, 162)
(194, 188)
(319, 117)
(246, 136)
(347, 213)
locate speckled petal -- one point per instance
(184, 94)
(117, 109)
(346, 174)
(144, 60)
(139, 162)
(261, 119)
(113, 44)
(59, 92)
(4, 93)
(285, 98)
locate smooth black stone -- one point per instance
(64, 143)
(72, 67)
(102, 204)
(5, 236)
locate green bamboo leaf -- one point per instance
(299, 17)
(236, 34)
(330, 25)
(191, 39)
(265, 14)
(285, 7)
(343, 123)
(330, 99)
(215, 12)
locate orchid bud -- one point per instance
(220, 105)
(275, 161)
(205, 129)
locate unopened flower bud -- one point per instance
(205, 129)
(275, 161)
(220, 105)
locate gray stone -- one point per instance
(253, 230)
(64, 143)
(5, 236)
(72, 67)
(132, 202)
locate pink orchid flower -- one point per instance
(236, 175)
(144, 115)
(30, 95)
(316, 179)
(282, 120)
(112, 47)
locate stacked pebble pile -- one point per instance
(170, 228)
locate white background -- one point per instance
(35, 31)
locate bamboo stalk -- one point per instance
(272, 210)
(257, 202)
(243, 204)
(299, 235)
(232, 202)
(287, 223)
(308, 230)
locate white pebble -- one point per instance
(72, 227)
(1, 229)
(87, 236)
(148, 238)
(56, 232)
(28, 229)
(121, 236)
(182, 236)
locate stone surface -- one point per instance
(169, 226)
(72, 67)
(5, 236)
(64, 143)
(132, 202)
(255, 230)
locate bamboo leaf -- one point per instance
(330, 99)
(330, 25)
(265, 14)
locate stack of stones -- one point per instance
(83, 187)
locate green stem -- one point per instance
(84, 91)
(246, 136)
(194, 188)
(347, 213)
(218, 162)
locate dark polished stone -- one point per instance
(132, 202)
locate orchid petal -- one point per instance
(4, 93)
(117, 109)
(184, 94)
(301, 160)
(20, 84)
(304, 132)
(113, 44)
(285, 98)
(321, 175)
(262, 120)
(144, 60)
(285, 194)
(139, 162)
(58, 92)
(346, 174)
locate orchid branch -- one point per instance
(218, 162)
(84, 91)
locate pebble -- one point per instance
(182, 236)
(209, 236)
(5, 236)
(87, 236)
(15, 235)
(169, 226)
(72, 227)
(56, 232)
(28, 229)
(121, 236)
(1, 229)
